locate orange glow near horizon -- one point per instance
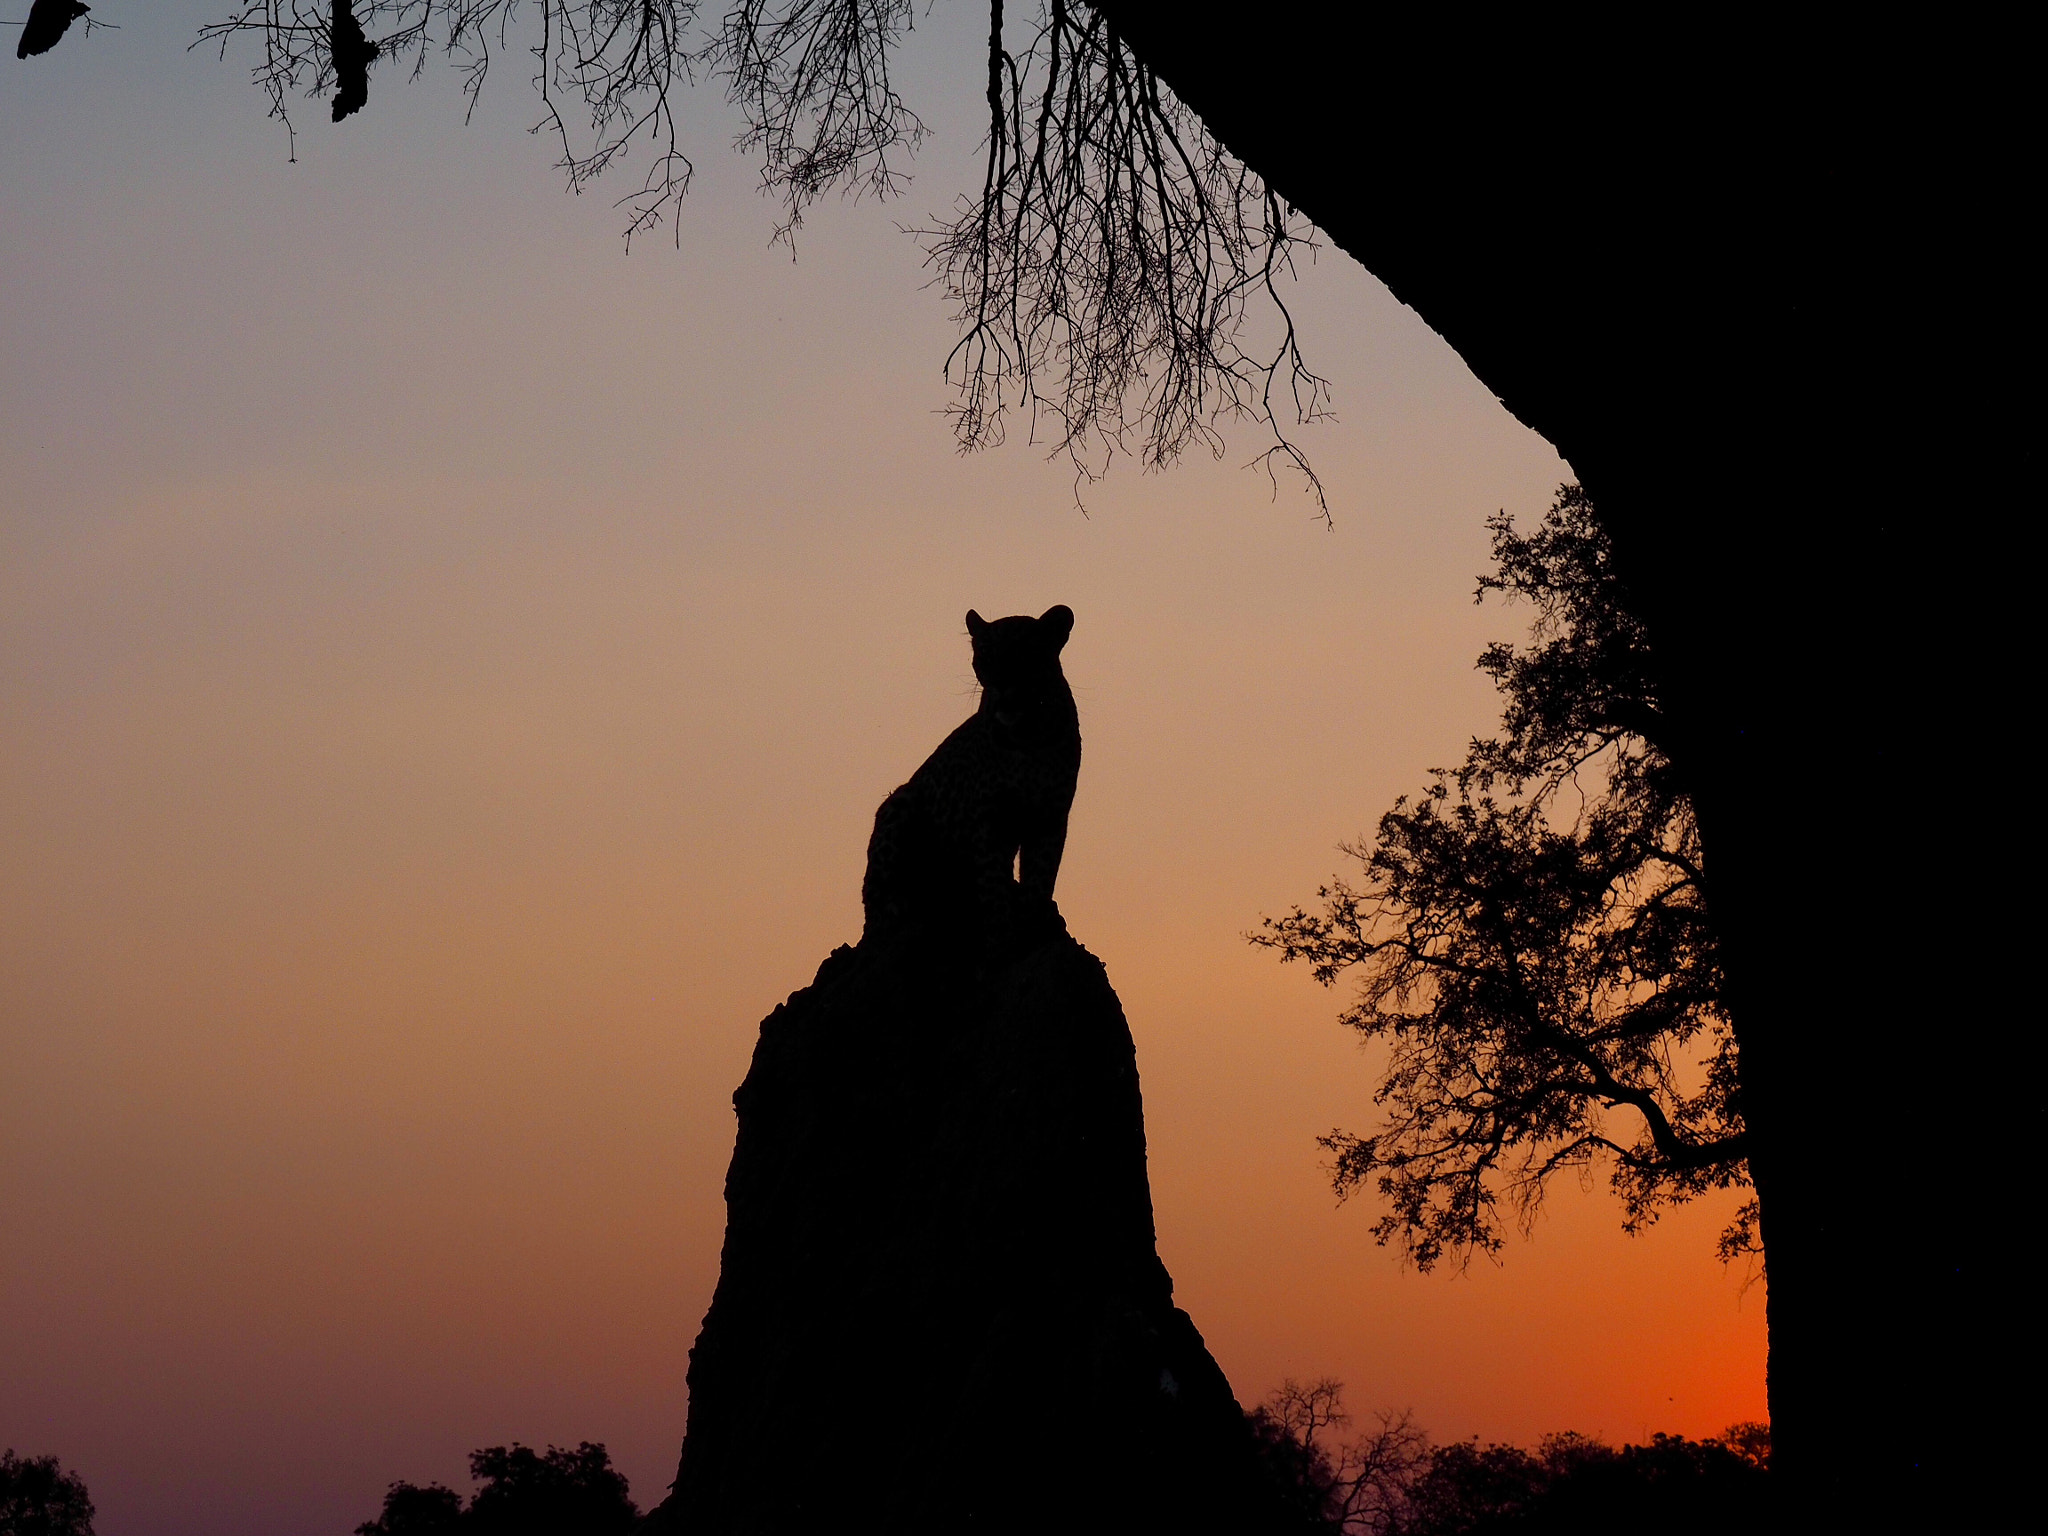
(449, 672)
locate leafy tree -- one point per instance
(529, 1493)
(523, 1492)
(1572, 1485)
(1466, 1487)
(1532, 936)
(1393, 1482)
(39, 1498)
(1751, 1441)
(410, 1510)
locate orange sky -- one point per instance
(447, 672)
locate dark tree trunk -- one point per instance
(1748, 279)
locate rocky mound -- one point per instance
(941, 1307)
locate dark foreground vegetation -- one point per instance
(1393, 1482)
(522, 1492)
(39, 1498)
(1389, 1481)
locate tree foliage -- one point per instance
(1575, 1484)
(410, 1510)
(1393, 1482)
(39, 1498)
(1116, 278)
(522, 1492)
(1532, 937)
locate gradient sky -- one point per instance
(447, 671)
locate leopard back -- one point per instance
(994, 798)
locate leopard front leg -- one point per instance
(1038, 864)
(884, 896)
(992, 856)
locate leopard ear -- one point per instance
(1060, 621)
(977, 626)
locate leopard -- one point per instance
(996, 794)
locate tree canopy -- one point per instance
(521, 1492)
(1532, 937)
(39, 1498)
(1391, 1481)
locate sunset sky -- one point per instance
(448, 667)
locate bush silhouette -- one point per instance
(1674, 1486)
(523, 1492)
(1391, 1482)
(39, 1498)
(410, 1510)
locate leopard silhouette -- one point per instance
(996, 792)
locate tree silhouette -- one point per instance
(529, 1493)
(1572, 1485)
(410, 1510)
(1356, 1487)
(523, 1492)
(1393, 1482)
(39, 1498)
(1666, 248)
(1533, 936)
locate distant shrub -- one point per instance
(410, 1510)
(1392, 1482)
(523, 1492)
(39, 1498)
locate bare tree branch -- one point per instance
(1118, 277)
(624, 59)
(1104, 277)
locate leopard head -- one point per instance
(1017, 660)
